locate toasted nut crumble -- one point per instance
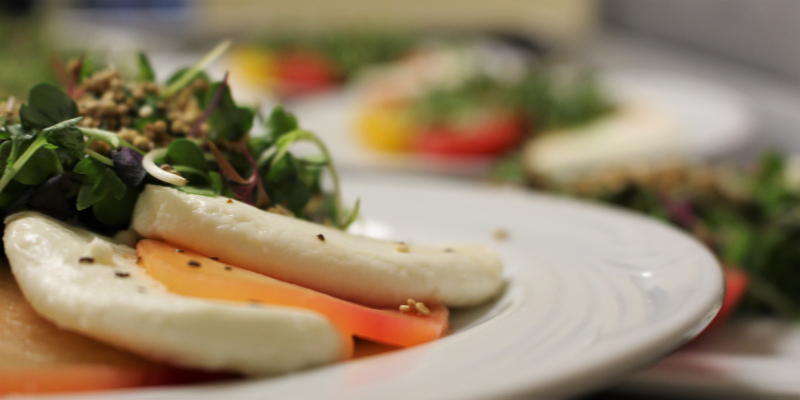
(415, 307)
(401, 247)
(500, 234)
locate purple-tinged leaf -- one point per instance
(128, 166)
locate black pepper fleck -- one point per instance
(121, 274)
(179, 250)
(140, 289)
(448, 250)
(86, 260)
(321, 237)
(214, 258)
(228, 268)
(138, 259)
(194, 263)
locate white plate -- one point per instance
(592, 293)
(710, 118)
(745, 359)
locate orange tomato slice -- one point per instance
(191, 274)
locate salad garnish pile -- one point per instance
(749, 217)
(87, 152)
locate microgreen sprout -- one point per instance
(194, 71)
(299, 135)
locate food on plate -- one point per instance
(191, 274)
(747, 216)
(292, 65)
(368, 271)
(482, 100)
(146, 216)
(89, 285)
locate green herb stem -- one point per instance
(192, 72)
(299, 135)
(102, 135)
(12, 169)
(108, 137)
(97, 156)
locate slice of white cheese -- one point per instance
(368, 271)
(113, 300)
(636, 132)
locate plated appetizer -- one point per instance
(294, 65)
(145, 217)
(746, 216)
(485, 100)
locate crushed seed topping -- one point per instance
(121, 274)
(422, 309)
(321, 237)
(401, 247)
(500, 234)
(214, 258)
(415, 307)
(228, 268)
(179, 250)
(194, 263)
(86, 260)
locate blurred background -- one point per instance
(686, 111)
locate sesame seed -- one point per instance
(214, 258)
(401, 247)
(321, 237)
(179, 250)
(405, 309)
(86, 260)
(500, 234)
(194, 263)
(228, 268)
(121, 274)
(421, 309)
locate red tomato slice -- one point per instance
(492, 136)
(304, 71)
(736, 283)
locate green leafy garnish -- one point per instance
(146, 73)
(188, 75)
(228, 121)
(99, 181)
(47, 106)
(185, 152)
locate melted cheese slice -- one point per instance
(112, 300)
(368, 271)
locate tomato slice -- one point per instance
(304, 71)
(493, 135)
(191, 274)
(736, 284)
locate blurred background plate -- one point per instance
(710, 118)
(744, 359)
